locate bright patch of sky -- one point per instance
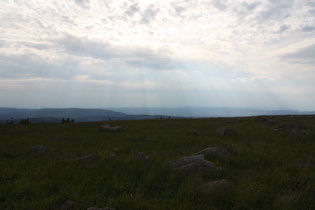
(123, 53)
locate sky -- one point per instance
(175, 53)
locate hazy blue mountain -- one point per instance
(131, 113)
(206, 111)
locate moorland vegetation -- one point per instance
(79, 166)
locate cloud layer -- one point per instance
(92, 53)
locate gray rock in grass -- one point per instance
(222, 187)
(108, 128)
(298, 132)
(193, 164)
(87, 157)
(289, 126)
(225, 131)
(218, 152)
(41, 149)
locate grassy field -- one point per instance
(269, 170)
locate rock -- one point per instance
(112, 155)
(193, 133)
(109, 128)
(261, 119)
(87, 157)
(143, 157)
(67, 205)
(298, 132)
(289, 126)
(225, 131)
(41, 149)
(270, 122)
(218, 152)
(193, 164)
(222, 187)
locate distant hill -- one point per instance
(133, 113)
(198, 112)
(55, 115)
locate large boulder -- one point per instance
(193, 164)
(225, 131)
(217, 152)
(108, 128)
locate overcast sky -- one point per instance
(116, 53)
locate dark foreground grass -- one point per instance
(269, 170)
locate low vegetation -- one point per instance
(87, 167)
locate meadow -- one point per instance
(268, 170)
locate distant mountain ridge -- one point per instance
(132, 113)
(55, 115)
(197, 112)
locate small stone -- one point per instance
(289, 126)
(143, 157)
(216, 187)
(270, 122)
(41, 149)
(113, 155)
(87, 157)
(219, 152)
(109, 128)
(298, 132)
(225, 131)
(261, 119)
(67, 205)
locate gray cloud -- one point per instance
(178, 8)
(282, 29)
(308, 28)
(132, 9)
(149, 14)
(276, 10)
(312, 12)
(305, 55)
(219, 4)
(86, 48)
(136, 57)
(34, 66)
(38, 46)
(83, 3)
(244, 8)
